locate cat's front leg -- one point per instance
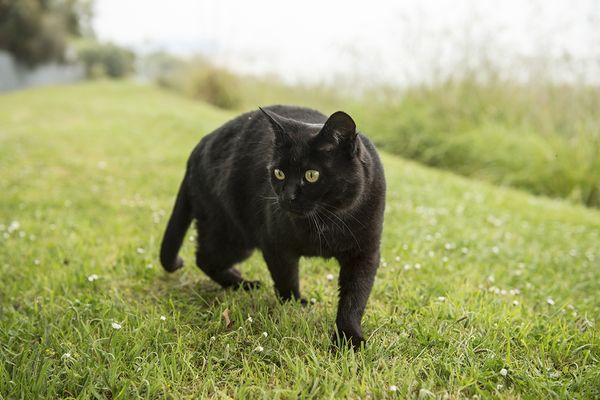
(284, 271)
(357, 274)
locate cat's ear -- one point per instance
(339, 132)
(273, 119)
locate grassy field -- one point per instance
(482, 290)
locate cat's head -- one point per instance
(315, 166)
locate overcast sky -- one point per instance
(378, 40)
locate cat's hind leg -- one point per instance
(216, 255)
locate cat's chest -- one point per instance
(314, 236)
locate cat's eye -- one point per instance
(279, 174)
(311, 175)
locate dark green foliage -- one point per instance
(196, 78)
(106, 59)
(216, 86)
(36, 31)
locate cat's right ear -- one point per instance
(275, 124)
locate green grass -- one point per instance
(475, 279)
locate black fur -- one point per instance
(239, 205)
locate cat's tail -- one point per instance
(178, 224)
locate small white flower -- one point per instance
(503, 372)
(397, 258)
(259, 348)
(393, 388)
(417, 266)
(495, 250)
(249, 319)
(149, 266)
(330, 277)
(431, 253)
(570, 306)
(66, 355)
(13, 226)
(36, 262)
(515, 302)
(116, 326)
(313, 300)
(550, 301)
(445, 259)
(163, 318)
(212, 338)
(407, 267)
(140, 250)
(93, 277)
(441, 299)
(265, 334)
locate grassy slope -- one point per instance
(90, 172)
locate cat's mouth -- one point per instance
(295, 210)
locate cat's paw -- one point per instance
(178, 264)
(292, 299)
(348, 339)
(247, 285)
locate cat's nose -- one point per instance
(289, 197)
(289, 194)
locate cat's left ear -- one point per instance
(274, 120)
(339, 132)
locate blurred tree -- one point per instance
(106, 60)
(36, 31)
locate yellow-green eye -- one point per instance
(311, 175)
(279, 174)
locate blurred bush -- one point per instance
(538, 136)
(195, 78)
(37, 31)
(215, 86)
(106, 60)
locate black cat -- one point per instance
(290, 182)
